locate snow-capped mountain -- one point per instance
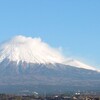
(31, 62)
(34, 50)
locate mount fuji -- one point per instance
(29, 63)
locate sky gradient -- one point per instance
(73, 25)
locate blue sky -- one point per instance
(73, 25)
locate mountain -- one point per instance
(34, 50)
(29, 63)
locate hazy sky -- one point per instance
(73, 25)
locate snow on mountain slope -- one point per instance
(79, 64)
(31, 50)
(34, 50)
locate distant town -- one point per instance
(66, 96)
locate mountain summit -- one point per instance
(31, 50)
(29, 62)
